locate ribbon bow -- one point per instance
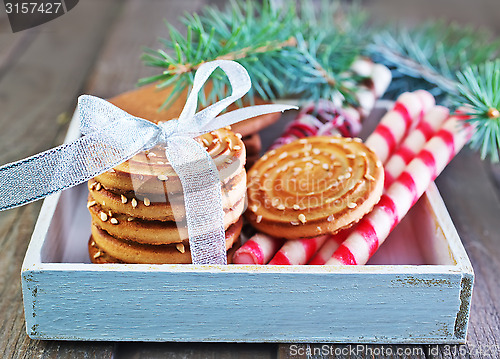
(112, 136)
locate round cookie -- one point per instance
(313, 186)
(169, 208)
(149, 172)
(104, 248)
(151, 232)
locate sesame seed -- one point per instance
(369, 177)
(147, 202)
(357, 139)
(151, 154)
(228, 127)
(254, 208)
(98, 186)
(303, 140)
(229, 161)
(91, 203)
(104, 216)
(295, 155)
(205, 142)
(350, 156)
(134, 202)
(283, 155)
(275, 202)
(281, 207)
(347, 175)
(325, 166)
(316, 151)
(113, 221)
(294, 223)
(180, 247)
(379, 164)
(296, 207)
(162, 177)
(124, 199)
(316, 161)
(308, 147)
(111, 170)
(237, 148)
(130, 219)
(302, 218)
(97, 255)
(110, 213)
(103, 203)
(352, 205)
(330, 218)
(239, 135)
(264, 158)
(258, 219)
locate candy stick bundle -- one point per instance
(415, 141)
(374, 228)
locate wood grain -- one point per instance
(474, 204)
(43, 72)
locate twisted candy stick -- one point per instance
(329, 247)
(374, 228)
(414, 142)
(259, 249)
(409, 108)
(298, 251)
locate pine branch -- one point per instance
(430, 55)
(480, 98)
(285, 54)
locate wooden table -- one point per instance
(95, 49)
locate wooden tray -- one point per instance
(416, 289)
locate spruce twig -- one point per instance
(480, 98)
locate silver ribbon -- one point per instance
(112, 136)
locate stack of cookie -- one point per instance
(137, 208)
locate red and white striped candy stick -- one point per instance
(331, 244)
(396, 123)
(259, 249)
(374, 228)
(414, 142)
(298, 251)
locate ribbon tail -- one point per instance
(202, 196)
(72, 163)
(243, 113)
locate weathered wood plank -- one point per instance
(474, 204)
(195, 350)
(43, 80)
